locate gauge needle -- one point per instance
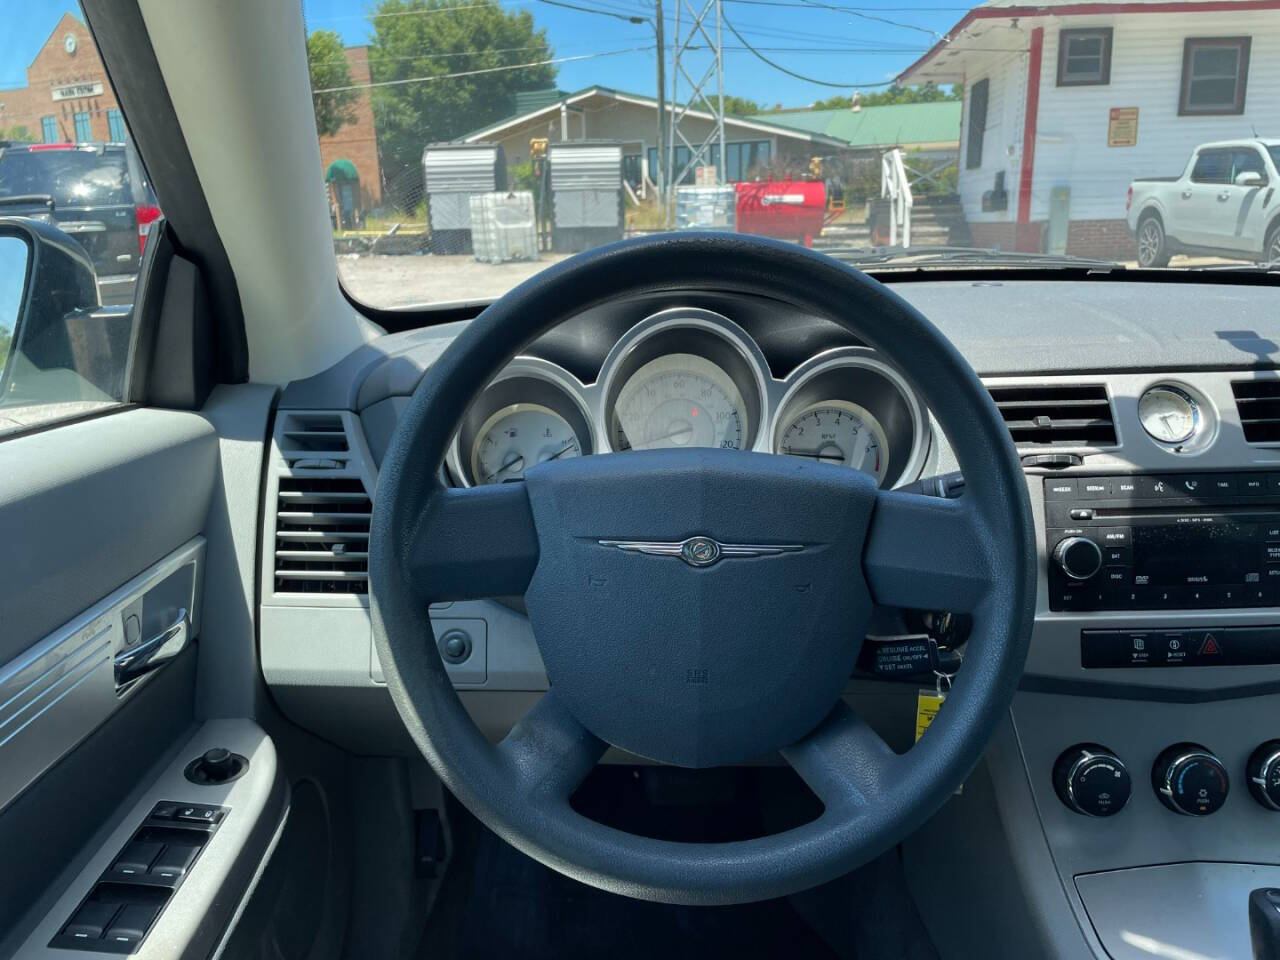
(557, 456)
(517, 459)
(828, 457)
(687, 428)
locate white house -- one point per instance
(1066, 102)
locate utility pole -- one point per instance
(697, 41)
(659, 180)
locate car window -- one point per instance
(1247, 160)
(1212, 166)
(85, 176)
(69, 172)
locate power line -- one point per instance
(600, 13)
(476, 73)
(792, 73)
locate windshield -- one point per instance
(72, 177)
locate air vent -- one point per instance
(1258, 402)
(322, 536)
(1070, 415)
(313, 438)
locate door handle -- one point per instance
(1224, 196)
(153, 653)
(1186, 194)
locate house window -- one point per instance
(115, 126)
(83, 132)
(977, 124)
(1084, 57)
(49, 129)
(1214, 73)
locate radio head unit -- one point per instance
(1192, 540)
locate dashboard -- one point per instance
(692, 377)
(1155, 652)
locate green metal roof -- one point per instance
(529, 100)
(899, 124)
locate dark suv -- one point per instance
(97, 192)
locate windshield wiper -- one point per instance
(931, 255)
(28, 200)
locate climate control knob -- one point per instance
(1190, 780)
(1264, 774)
(1078, 557)
(1090, 779)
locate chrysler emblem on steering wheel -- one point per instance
(701, 551)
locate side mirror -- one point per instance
(48, 297)
(1250, 178)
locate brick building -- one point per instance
(357, 142)
(68, 98)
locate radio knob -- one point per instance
(1078, 557)
(1189, 779)
(1090, 779)
(1264, 774)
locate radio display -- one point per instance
(1211, 551)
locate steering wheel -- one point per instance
(701, 663)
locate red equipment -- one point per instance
(786, 209)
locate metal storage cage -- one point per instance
(586, 194)
(504, 227)
(451, 173)
(706, 208)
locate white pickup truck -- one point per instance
(1224, 204)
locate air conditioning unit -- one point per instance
(1258, 403)
(1056, 415)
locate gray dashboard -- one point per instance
(316, 647)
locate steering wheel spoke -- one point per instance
(549, 752)
(473, 544)
(928, 553)
(845, 762)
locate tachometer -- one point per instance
(679, 400)
(516, 438)
(839, 432)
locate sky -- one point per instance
(839, 46)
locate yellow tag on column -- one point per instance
(928, 703)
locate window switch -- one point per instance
(132, 923)
(136, 858)
(174, 862)
(90, 920)
(197, 814)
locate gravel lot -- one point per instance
(408, 281)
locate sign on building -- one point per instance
(77, 91)
(1122, 130)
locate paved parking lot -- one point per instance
(408, 281)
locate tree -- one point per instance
(19, 133)
(327, 59)
(736, 106)
(881, 98)
(449, 37)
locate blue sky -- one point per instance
(833, 45)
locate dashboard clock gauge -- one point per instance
(1168, 414)
(679, 400)
(839, 432)
(516, 438)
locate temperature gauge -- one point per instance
(516, 438)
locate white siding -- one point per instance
(1002, 140)
(1146, 70)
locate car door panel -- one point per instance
(86, 506)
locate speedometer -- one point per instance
(839, 432)
(679, 400)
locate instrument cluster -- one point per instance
(689, 377)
